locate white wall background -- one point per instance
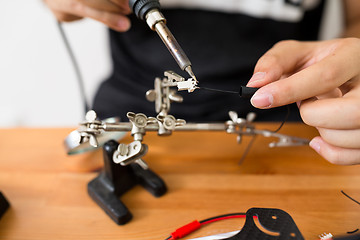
(37, 81)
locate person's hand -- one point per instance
(110, 12)
(324, 79)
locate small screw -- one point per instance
(123, 149)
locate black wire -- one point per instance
(247, 150)
(285, 119)
(234, 92)
(218, 90)
(221, 216)
(75, 66)
(351, 232)
(350, 197)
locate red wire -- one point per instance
(223, 218)
(193, 226)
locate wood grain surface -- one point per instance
(48, 196)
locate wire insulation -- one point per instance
(234, 92)
(193, 226)
(351, 232)
(218, 90)
(223, 218)
(285, 119)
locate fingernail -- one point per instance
(314, 144)
(256, 77)
(262, 100)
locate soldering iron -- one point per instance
(149, 11)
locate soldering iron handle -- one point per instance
(141, 7)
(149, 11)
(247, 92)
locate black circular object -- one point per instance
(141, 7)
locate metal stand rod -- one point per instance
(127, 126)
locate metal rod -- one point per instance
(127, 126)
(202, 127)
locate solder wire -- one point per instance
(193, 226)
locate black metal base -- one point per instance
(276, 221)
(115, 180)
(4, 204)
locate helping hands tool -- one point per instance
(124, 166)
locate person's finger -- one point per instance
(335, 93)
(319, 78)
(106, 5)
(283, 57)
(335, 155)
(58, 8)
(341, 138)
(332, 113)
(64, 17)
(115, 21)
(123, 4)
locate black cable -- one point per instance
(285, 119)
(253, 91)
(247, 150)
(221, 216)
(75, 66)
(350, 197)
(351, 232)
(218, 90)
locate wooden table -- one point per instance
(49, 200)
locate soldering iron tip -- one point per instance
(188, 69)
